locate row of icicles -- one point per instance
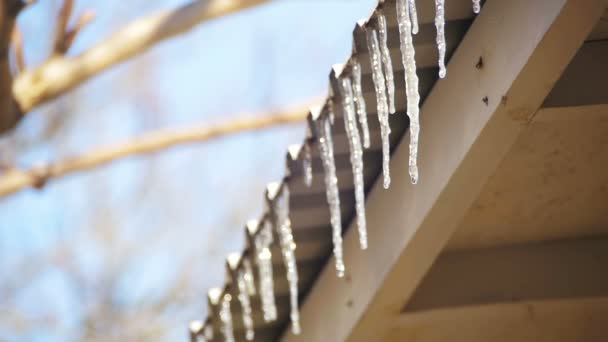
(352, 106)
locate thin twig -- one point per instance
(83, 20)
(17, 42)
(62, 26)
(15, 179)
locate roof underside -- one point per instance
(525, 167)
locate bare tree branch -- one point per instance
(62, 26)
(14, 180)
(60, 73)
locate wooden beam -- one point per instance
(525, 46)
(551, 185)
(529, 272)
(564, 320)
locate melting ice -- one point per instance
(356, 157)
(331, 188)
(264, 260)
(382, 106)
(413, 15)
(411, 83)
(226, 318)
(476, 6)
(288, 246)
(243, 297)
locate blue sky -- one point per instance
(147, 220)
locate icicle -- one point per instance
(359, 101)
(356, 158)
(411, 83)
(307, 165)
(386, 61)
(378, 77)
(245, 304)
(226, 318)
(288, 246)
(413, 15)
(248, 276)
(264, 259)
(440, 25)
(331, 188)
(476, 6)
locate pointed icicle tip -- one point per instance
(476, 6)
(413, 15)
(340, 271)
(411, 83)
(440, 27)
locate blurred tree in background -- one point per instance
(127, 251)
